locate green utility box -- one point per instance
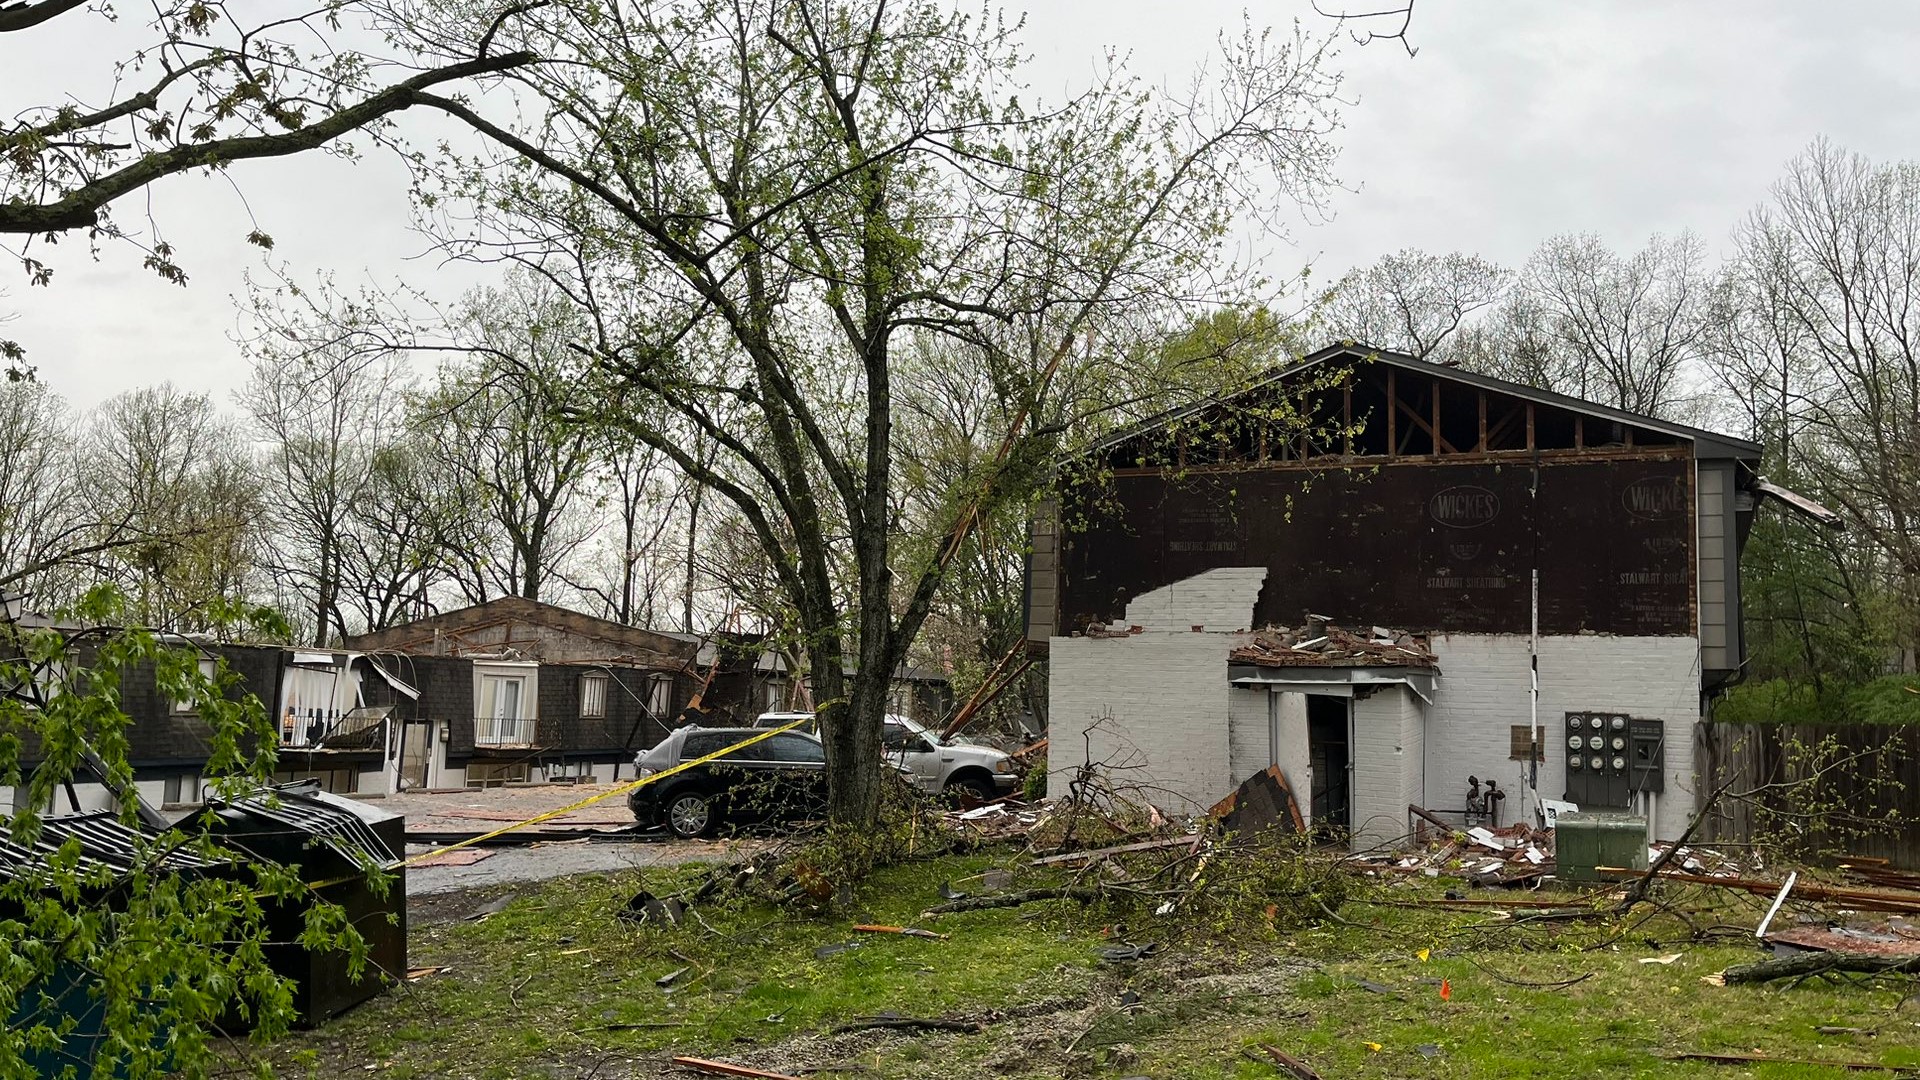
(1582, 842)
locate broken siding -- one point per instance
(1720, 646)
(1425, 546)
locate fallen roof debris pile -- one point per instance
(1319, 644)
(1511, 856)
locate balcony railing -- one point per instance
(494, 731)
(359, 728)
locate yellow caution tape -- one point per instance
(586, 802)
(591, 799)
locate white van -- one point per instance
(981, 771)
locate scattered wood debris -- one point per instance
(1857, 899)
(1320, 645)
(1727, 1057)
(1294, 1067)
(1511, 856)
(722, 1068)
(904, 931)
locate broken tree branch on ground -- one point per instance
(1819, 963)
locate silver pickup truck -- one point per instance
(958, 765)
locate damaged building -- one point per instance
(1352, 570)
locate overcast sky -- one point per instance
(1516, 121)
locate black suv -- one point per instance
(778, 778)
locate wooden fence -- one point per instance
(1826, 789)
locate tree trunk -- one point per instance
(693, 536)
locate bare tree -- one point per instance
(325, 419)
(753, 203)
(43, 528)
(409, 533)
(1624, 328)
(502, 420)
(1824, 306)
(1412, 301)
(164, 466)
(637, 569)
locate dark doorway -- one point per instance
(1327, 752)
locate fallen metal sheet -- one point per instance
(1847, 940)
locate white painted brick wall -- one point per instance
(1250, 728)
(1388, 762)
(1482, 692)
(1163, 697)
(1249, 734)
(1220, 599)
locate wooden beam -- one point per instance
(1482, 447)
(1530, 444)
(1438, 442)
(1579, 431)
(1393, 410)
(1500, 429)
(1433, 433)
(1346, 417)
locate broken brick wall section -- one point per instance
(1155, 701)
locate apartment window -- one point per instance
(659, 695)
(500, 696)
(504, 697)
(593, 695)
(208, 669)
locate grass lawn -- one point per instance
(554, 985)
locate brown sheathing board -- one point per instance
(1430, 545)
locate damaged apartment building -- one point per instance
(1352, 570)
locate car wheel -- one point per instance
(689, 814)
(975, 785)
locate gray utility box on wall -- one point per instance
(1611, 757)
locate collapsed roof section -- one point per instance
(1319, 658)
(1322, 646)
